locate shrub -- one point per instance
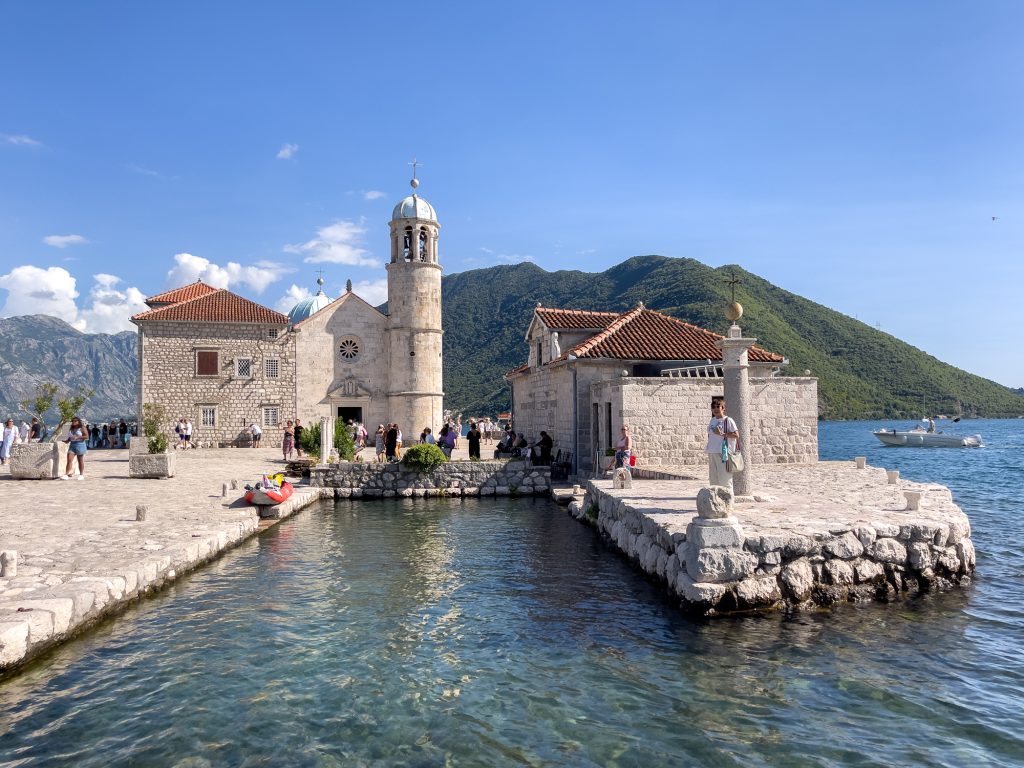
(343, 443)
(423, 457)
(153, 415)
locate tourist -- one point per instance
(112, 432)
(361, 435)
(398, 443)
(288, 441)
(77, 440)
(379, 442)
(299, 429)
(8, 437)
(623, 450)
(186, 431)
(521, 448)
(722, 431)
(391, 442)
(35, 432)
(179, 430)
(257, 433)
(429, 438)
(473, 438)
(103, 437)
(23, 432)
(94, 437)
(122, 433)
(542, 450)
(442, 441)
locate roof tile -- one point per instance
(574, 319)
(220, 306)
(191, 291)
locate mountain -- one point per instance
(862, 372)
(38, 348)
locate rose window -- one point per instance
(349, 348)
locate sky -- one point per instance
(867, 156)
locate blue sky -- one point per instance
(853, 153)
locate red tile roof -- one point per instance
(191, 291)
(220, 306)
(643, 334)
(574, 319)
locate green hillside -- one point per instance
(862, 372)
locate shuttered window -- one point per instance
(207, 363)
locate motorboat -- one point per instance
(270, 490)
(922, 438)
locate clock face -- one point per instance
(348, 348)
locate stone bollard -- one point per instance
(223, 490)
(893, 475)
(713, 551)
(140, 512)
(234, 485)
(622, 478)
(576, 490)
(913, 500)
(9, 563)
(861, 461)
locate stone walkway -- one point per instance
(81, 553)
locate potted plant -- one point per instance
(46, 458)
(155, 460)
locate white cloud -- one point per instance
(337, 243)
(52, 291)
(514, 258)
(144, 171)
(373, 194)
(486, 250)
(373, 292)
(20, 140)
(291, 297)
(287, 152)
(110, 307)
(189, 268)
(35, 291)
(63, 241)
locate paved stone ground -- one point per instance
(804, 499)
(81, 552)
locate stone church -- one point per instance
(225, 362)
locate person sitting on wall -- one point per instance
(521, 448)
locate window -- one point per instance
(208, 416)
(243, 367)
(271, 416)
(348, 348)
(271, 367)
(207, 362)
(272, 333)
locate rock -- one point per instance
(840, 572)
(888, 551)
(797, 579)
(38, 461)
(965, 553)
(758, 592)
(919, 556)
(844, 547)
(718, 565)
(13, 640)
(886, 530)
(868, 572)
(140, 512)
(715, 532)
(714, 502)
(697, 592)
(151, 465)
(866, 535)
(9, 563)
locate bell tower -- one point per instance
(415, 391)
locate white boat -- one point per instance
(921, 438)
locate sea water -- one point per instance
(502, 632)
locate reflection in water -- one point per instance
(501, 632)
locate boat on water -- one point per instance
(922, 438)
(270, 490)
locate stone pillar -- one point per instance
(714, 541)
(737, 397)
(326, 438)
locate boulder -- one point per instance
(714, 502)
(719, 532)
(798, 579)
(889, 551)
(844, 547)
(718, 565)
(761, 592)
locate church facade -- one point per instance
(225, 362)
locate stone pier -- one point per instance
(813, 535)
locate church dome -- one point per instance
(310, 306)
(414, 207)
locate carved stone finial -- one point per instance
(348, 286)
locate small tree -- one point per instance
(153, 415)
(68, 404)
(423, 457)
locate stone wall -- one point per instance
(167, 375)
(668, 418)
(456, 478)
(714, 566)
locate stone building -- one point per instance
(225, 361)
(588, 373)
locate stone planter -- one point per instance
(153, 465)
(38, 461)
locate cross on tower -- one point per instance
(732, 282)
(414, 163)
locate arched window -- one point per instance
(407, 245)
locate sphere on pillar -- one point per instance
(415, 391)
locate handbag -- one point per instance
(735, 462)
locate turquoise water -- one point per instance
(442, 632)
